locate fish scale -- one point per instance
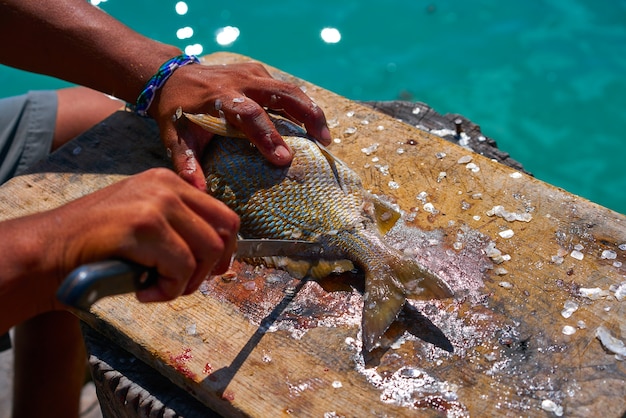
(317, 198)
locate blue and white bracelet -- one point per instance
(156, 81)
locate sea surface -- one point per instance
(545, 79)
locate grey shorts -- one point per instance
(27, 125)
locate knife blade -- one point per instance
(90, 282)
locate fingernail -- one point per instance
(282, 153)
(325, 135)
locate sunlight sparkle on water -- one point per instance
(227, 35)
(184, 33)
(330, 35)
(195, 49)
(181, 8)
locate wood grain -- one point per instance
(259, 343)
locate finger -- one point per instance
(186, 253)
(294, 102)
(174, 265)
(224, 221)
(211, 231)
(167, 288)
(227, 257)
(185, 144)
(170, 235)
(253, 121)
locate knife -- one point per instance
(90, 282)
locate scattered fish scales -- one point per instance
(430, 208)
(465, 159)
(499, 211)
(371, 149)
(577, 255)
(495, 254)
(619, 291)
(569, 307)
(384, 169)
(422, 196)
(557, 259)
(315, 194)
(191, 329)
(333, 123)
(443, 132)
(550, 406)
(349, 130)
(568, 330)
(593, 293)
(612, 344)
(608, 255)
(464, 140)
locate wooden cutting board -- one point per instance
(518, 339)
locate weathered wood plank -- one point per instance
(239, 346)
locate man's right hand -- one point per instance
(155, 219)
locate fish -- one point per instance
(317, 197)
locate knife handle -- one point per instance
(90, 282)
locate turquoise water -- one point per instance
(545, 79)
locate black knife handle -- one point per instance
(90, 282)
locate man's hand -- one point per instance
(239, 93)
(155, 219)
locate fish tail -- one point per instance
(386, 290)
(419, 281)
(383, 300)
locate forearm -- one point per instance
(27, 279)
(77, 42)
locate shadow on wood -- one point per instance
(226, 374)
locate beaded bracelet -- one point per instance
(156, 81)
